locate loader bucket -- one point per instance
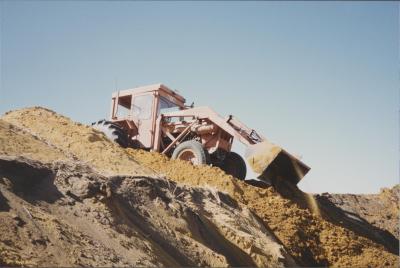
(272, 162)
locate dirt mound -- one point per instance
(381, 210)
(314, 232)
(66, 214)
(80, 141)
(14, 141)
(310, 234)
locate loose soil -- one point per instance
(310, 233)
(219, 221)
(381, 210)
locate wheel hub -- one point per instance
(188, 155)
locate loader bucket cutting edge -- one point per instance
(273, 162)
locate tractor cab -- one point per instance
(138, 109)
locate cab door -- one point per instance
(142, 109)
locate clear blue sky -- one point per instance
(319, 78)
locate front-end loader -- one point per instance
(156, 118)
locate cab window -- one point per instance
(142, 105)
(124, 104)
(166, 106)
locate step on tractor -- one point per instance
(156, 118)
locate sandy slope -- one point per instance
(66, 214)
(313, 233)
(14, 141)
(381, 210)
(62, 212)
(80, 141)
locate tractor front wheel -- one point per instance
(191, 151)
(234, 165)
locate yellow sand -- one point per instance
(310, 239)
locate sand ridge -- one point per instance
(284, 214)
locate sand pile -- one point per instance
(61, 212)
(311, 239)
(14, 141)
(381, 210)
(79, 141)
(314, 233)
(66, 214)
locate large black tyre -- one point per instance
(191, 151)
(113, 132)
(234, 165)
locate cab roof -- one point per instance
(149, 88)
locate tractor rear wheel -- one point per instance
(113, 132)
(234, 165)
(191, 151)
